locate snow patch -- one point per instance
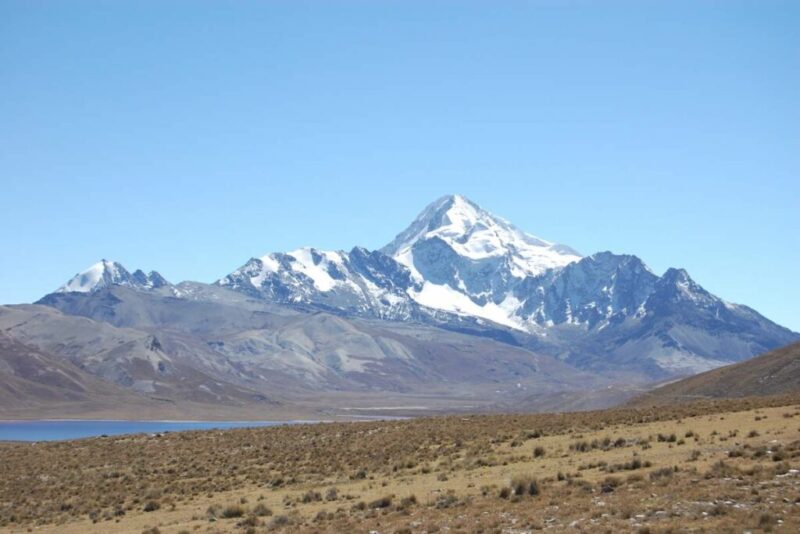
(444, 297)
(90, 279)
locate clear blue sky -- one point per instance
(189, 136)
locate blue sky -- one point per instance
(189, 136)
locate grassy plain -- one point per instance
(710, 466)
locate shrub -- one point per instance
(251, 521)
(383, 502)
(767, 521)
(538, 452)
(311, 496)
(261, 510)
(525, 486)
(322, 515)
(633, 465)
(609, 484)
(406, 502)
(213, 510)
(579, 446)
(279, 521)
(446, 501)
(234, 510)
(664, 472)
(720, 470)
(151, 506)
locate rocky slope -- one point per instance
(293, 352)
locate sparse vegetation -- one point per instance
(461, 473)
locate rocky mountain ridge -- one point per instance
(457, 261)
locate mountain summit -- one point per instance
(467, 261)
(107, 273)
(474, 233)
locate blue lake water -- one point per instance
(73, 429)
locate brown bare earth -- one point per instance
(713, 466)
(774, 373)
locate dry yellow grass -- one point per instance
(729, 465)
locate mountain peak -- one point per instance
(676, 286)
(98, 275)
(107, 273)
(677, 275)
(433, 217)
(459, 202)
(474, 233)
(680, 279)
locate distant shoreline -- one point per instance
(46, 430)
(231, 421)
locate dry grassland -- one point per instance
(714, 466)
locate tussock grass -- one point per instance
(439, 471)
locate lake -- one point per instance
(74, 429)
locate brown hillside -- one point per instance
(773, 373)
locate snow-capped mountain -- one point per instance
(475, 234)
(586, 293)
(456, 261)
(459, 259)
(358, 282)
(467, 261)
(610, 311)
(107, 273)
(459, 267)
(455, 257)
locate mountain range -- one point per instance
(461, 310)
